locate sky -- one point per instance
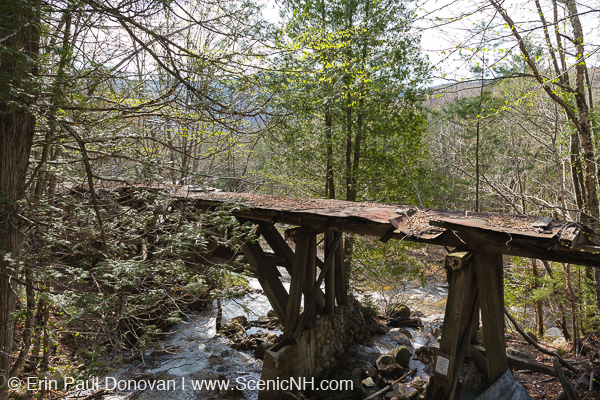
(446, 24)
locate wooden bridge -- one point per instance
(475, 267)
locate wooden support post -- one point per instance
(309, 282)
(282, 248)
(296, 285)
(490, 282)
(458, 323)
(269, 280)
(330, 276)
(341, 290)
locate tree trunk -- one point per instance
(330, 181)
(19, 25)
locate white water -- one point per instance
(193, 352)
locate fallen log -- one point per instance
(522, 363)
(537, 346)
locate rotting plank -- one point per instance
(490, 281)
(278, 297)
(296, 286)
(461, 307)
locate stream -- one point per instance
(193, 351)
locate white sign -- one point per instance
(441, 365)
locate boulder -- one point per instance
(402, 356)
(240, 319)
(553, 333)
(368, 382)
(271, 337)
(520, 353)
(401, 339)
(387, 366)
(405, 332)
(426, 354)
(398, 311)
(259, 352)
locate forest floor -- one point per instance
(541, 386)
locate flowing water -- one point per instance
(192, 352)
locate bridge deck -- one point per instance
(519, 235)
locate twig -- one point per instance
(591, 381)
(388, 387)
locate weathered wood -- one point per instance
(330, 275)
(269, 280)
(490, 285)
(460, 311)
(296, 286)
(283, 249)
(520, 363)
(309, 282)
(341, 291)
(311, 297)
(566, 383)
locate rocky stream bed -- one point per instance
(194, 352)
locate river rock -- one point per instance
(426, 354)
(392, 395)
(368, 382)
(271, 337)
(240, 319)
(401, 339)
(387, 365)
(436, 332)
(419, 382)
(368, 371)
(259, 352)
(520, 353)
(406, 392)
(553, 333)
(405, 332)
(271, 314)
(398, 311)
(402, 356)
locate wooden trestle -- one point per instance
(475, 268)
(302, 267)
(475, 283)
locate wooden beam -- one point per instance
(311, 297)
(269, 280)
(280, 246)
(490, 281)
(341, 291)
(330, 275)
(296, 286)
(309, 282)
(461, 307)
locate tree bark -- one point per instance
(19, 24)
